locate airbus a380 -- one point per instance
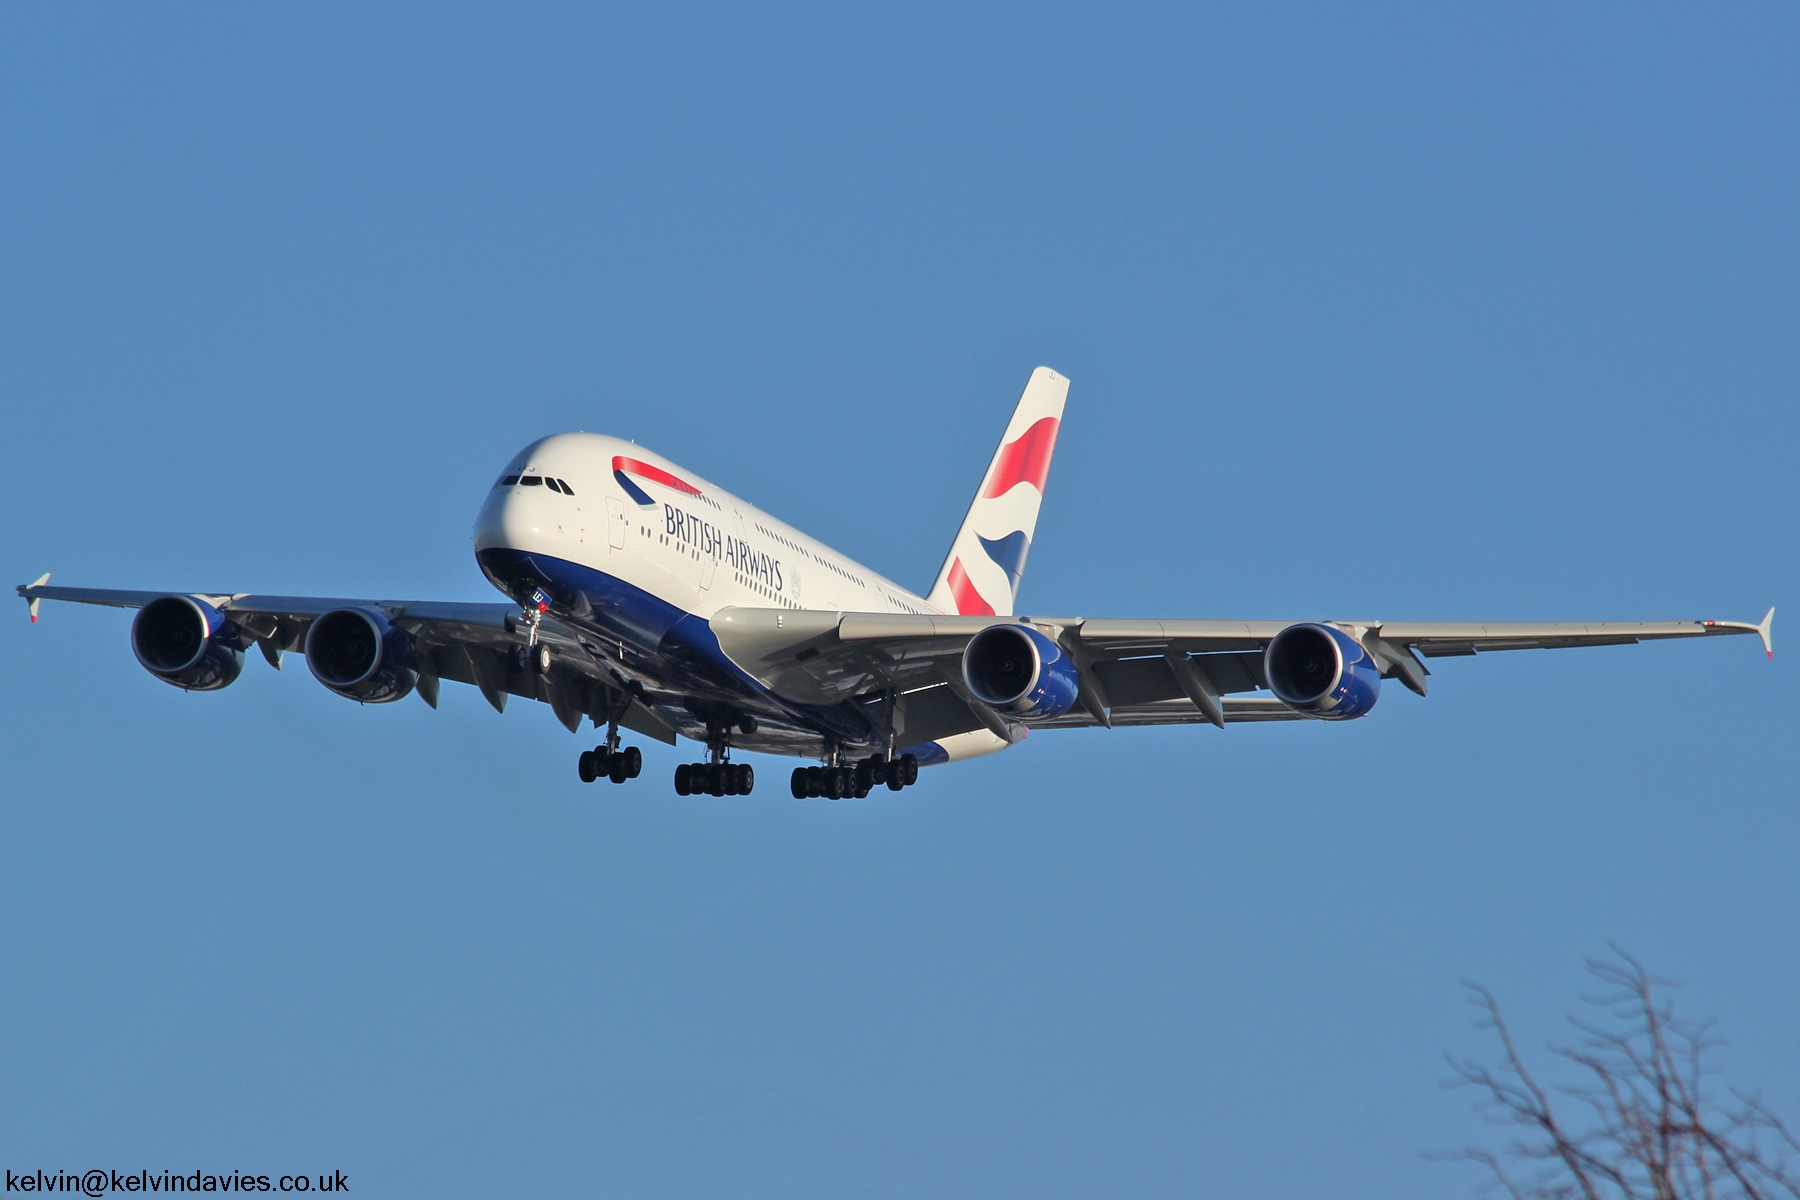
(646, 599)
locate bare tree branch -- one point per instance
(1656, 1134)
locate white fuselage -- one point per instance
(649, 545)
(699, 553)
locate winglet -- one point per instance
(1764, 631)
(39, 582)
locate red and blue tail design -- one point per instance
(981, 574)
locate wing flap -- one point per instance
(1441, 639)
(1238, 710)
(111, 597)
(1143, 636)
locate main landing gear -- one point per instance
(836, 783)
(714, 779)
(607, 760)
(604, 762)
(718, 777)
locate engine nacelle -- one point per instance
(1322, 672)
(361, 655)
(1018, 671)
(188, 643)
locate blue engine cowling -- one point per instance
(1018, 671)
(360, 655)
(1322, 672)
(187, 642)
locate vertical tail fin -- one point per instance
(981, 573)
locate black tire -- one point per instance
(615, 770)
(540, 659)
(728, 776)
(894, 783)
(815, 782)
(716, 775)
(746, 779)
(798, 784)
(909, 765)
(862, 778)
(862, 793)
(684, 775)
(634, 762)
(584, 766)
(834, 783)
(878, 769)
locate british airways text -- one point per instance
(707, 538)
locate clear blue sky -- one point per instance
(1390, 313)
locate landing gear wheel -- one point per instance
(798, 784)
(684, 776)
(585, 765)
(862, 779)
(834, 783)
(895, 781)
(715, 778)
(815, 782)
(909, 767)
(634, 761)
(618, 770)
(746, 778)
(539, 658)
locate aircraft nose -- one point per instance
(511, 519)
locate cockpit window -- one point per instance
(551, 483)
(530, 481)
(567, 490)
(508, 480)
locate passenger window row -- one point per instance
(555, 485)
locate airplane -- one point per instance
(645, 598)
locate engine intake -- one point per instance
(1322, 672)
(361, 655)
(1019, 671)
(188, 643)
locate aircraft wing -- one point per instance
(467, 643)
(1133, 672)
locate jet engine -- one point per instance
(1322, 672)
(188, 643)
(1020, 672)
(361, 655)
